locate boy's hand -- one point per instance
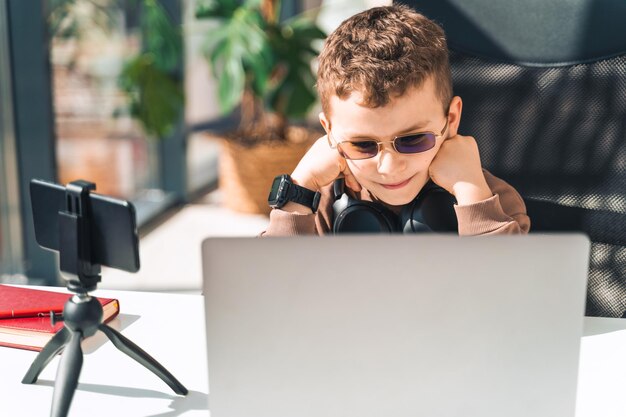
(457, 168)
(321, 165)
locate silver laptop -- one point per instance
(394, 326)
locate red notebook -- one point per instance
(25, 315)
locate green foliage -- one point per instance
(162, 39)
(149, 79)
(251, 52)
(239, 54)
(294, 93)
(155, 98)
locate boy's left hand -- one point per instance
(457, 169)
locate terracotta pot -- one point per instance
(246, 173)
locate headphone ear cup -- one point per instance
(355, 216)
(411, 220)
(431, 211)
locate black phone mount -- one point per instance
(82, 314)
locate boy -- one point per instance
(391, 126)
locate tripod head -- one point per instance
(75, 240)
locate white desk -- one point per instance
(171, 329)
(168, 327)
(602, 370)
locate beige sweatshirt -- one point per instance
(503, 213)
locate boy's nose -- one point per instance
(390, 161)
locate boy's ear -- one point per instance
(324, 121)
(454, 115)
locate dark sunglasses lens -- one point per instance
(359, 149)
(415, 143)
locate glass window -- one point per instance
(201, 106)
(10, 227)
(97, 139)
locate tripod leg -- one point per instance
(44, 357)
(125, 345)
(67, 376)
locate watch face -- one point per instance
(277, 195)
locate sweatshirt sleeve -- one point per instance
(503, 213)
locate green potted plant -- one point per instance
(150, 78)
(263, 66)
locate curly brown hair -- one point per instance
(382, 52)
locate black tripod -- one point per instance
(82, 314)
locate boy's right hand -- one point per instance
(322, 165)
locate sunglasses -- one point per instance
(369, 148)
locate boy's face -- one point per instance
(392, 177)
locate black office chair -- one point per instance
(543, 84)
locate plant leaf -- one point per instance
(216, 9)
(271, 59)
(231, 83)
(161, 38)
(155, 99)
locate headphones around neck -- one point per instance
(431, 211)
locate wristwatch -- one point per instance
(284, 190)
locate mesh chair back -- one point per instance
(551, 122)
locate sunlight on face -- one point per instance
(391, 177)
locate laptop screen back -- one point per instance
(424, 325)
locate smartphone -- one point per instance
(115, 242)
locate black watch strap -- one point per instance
(304, 196)
(284, 190)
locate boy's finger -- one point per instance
(343, 165)
(351, 182)
(349, 179)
